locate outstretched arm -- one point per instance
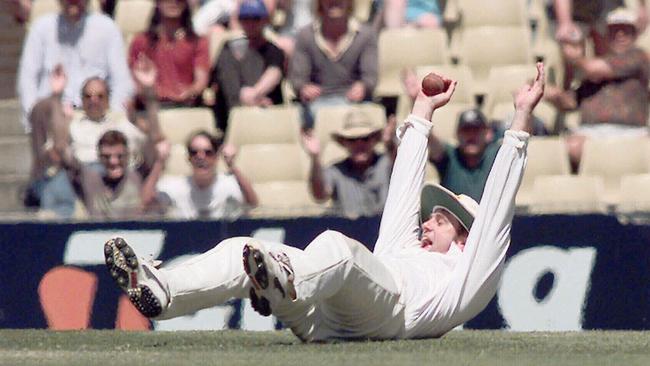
(474, 280)
(400, 221)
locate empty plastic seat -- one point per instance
(133, 17)
(286, 199)
(613, 158)
(635, 195)
(407, 47)
(472, 13)
(567, 194)
(273, 162)
(271, 125)
(178, 123)
(546, 156)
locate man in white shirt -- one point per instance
(411, 286)
(207, 193)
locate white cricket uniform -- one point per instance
(400, 290)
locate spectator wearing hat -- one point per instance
(206, 193)
(335, 59)
(357, 185)
(613, 96)
(464, 168)
(248, 71)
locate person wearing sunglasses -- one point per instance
(357, 185)
(206, 193)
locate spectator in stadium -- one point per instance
(85, 45)
(417, 13)
(357, 185)
(298, 14)
(613, 97)
(116, 191)
(80, 134)
(248, 71)
(180, 56)
(335, 60)
(575, 20)
(206, 193)
(464, 168)
(217, 16)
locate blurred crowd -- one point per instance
(93, 92)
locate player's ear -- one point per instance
(461, 239)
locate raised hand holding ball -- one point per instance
(432, 84)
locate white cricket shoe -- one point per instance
(135, 277)
(272, 276)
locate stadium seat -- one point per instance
(177, 164)
(635, 195)
(503, 80)
(473, 13)
(362, 10)
(178, 123)
(271, 125)
(482, 48)
(546, 156)
(407, 47)
(263, 163)
(613, 158)
(133, 17)
(329, 119)
(503, 111)
(567, 194)
(286, 199)
(445, 121)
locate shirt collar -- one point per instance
(344, 43)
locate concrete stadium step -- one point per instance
(11, 188)
(10, 118)
(15, 155)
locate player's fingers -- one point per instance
(452, 87)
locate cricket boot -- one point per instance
(272, 277)
(136, 277)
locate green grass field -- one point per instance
(40, 347)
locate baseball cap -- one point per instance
(462, 207)
(621, 16)
(253, 9)
(471, 118)
(356, 124)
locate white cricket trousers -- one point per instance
(343, 290)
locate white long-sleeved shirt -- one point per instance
(441, 291)
(91, 47)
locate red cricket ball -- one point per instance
(432, 84)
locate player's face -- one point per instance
(361, 150)
(440, 231)
(621, 37)
(94, 99)
(115, 159)
(203, 157)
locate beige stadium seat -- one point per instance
(546, 156)
(280, 199)
(362, 9)
(177, 164)
(464, 92)
(504, 111)
(635, 194)
(473, 13)
(271, 125)
(482, 48)
(504, 80)
(329, 119)
(613, 158)
(133, 17)
(567, 194)
(42, 7)
(273, 162)
(407, 47)
(178, 123)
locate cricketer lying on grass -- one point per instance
(414, 285)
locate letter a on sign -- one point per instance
(561, 309)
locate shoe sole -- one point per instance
(257, 271)
(122, 264)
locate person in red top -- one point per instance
(180, 56)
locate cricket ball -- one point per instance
(432, 84)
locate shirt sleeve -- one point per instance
(30, 67)
(119, 75)
(202, 56)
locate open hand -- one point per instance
(527, 97)
(144, 72)
(311, 144)
(229, 152)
